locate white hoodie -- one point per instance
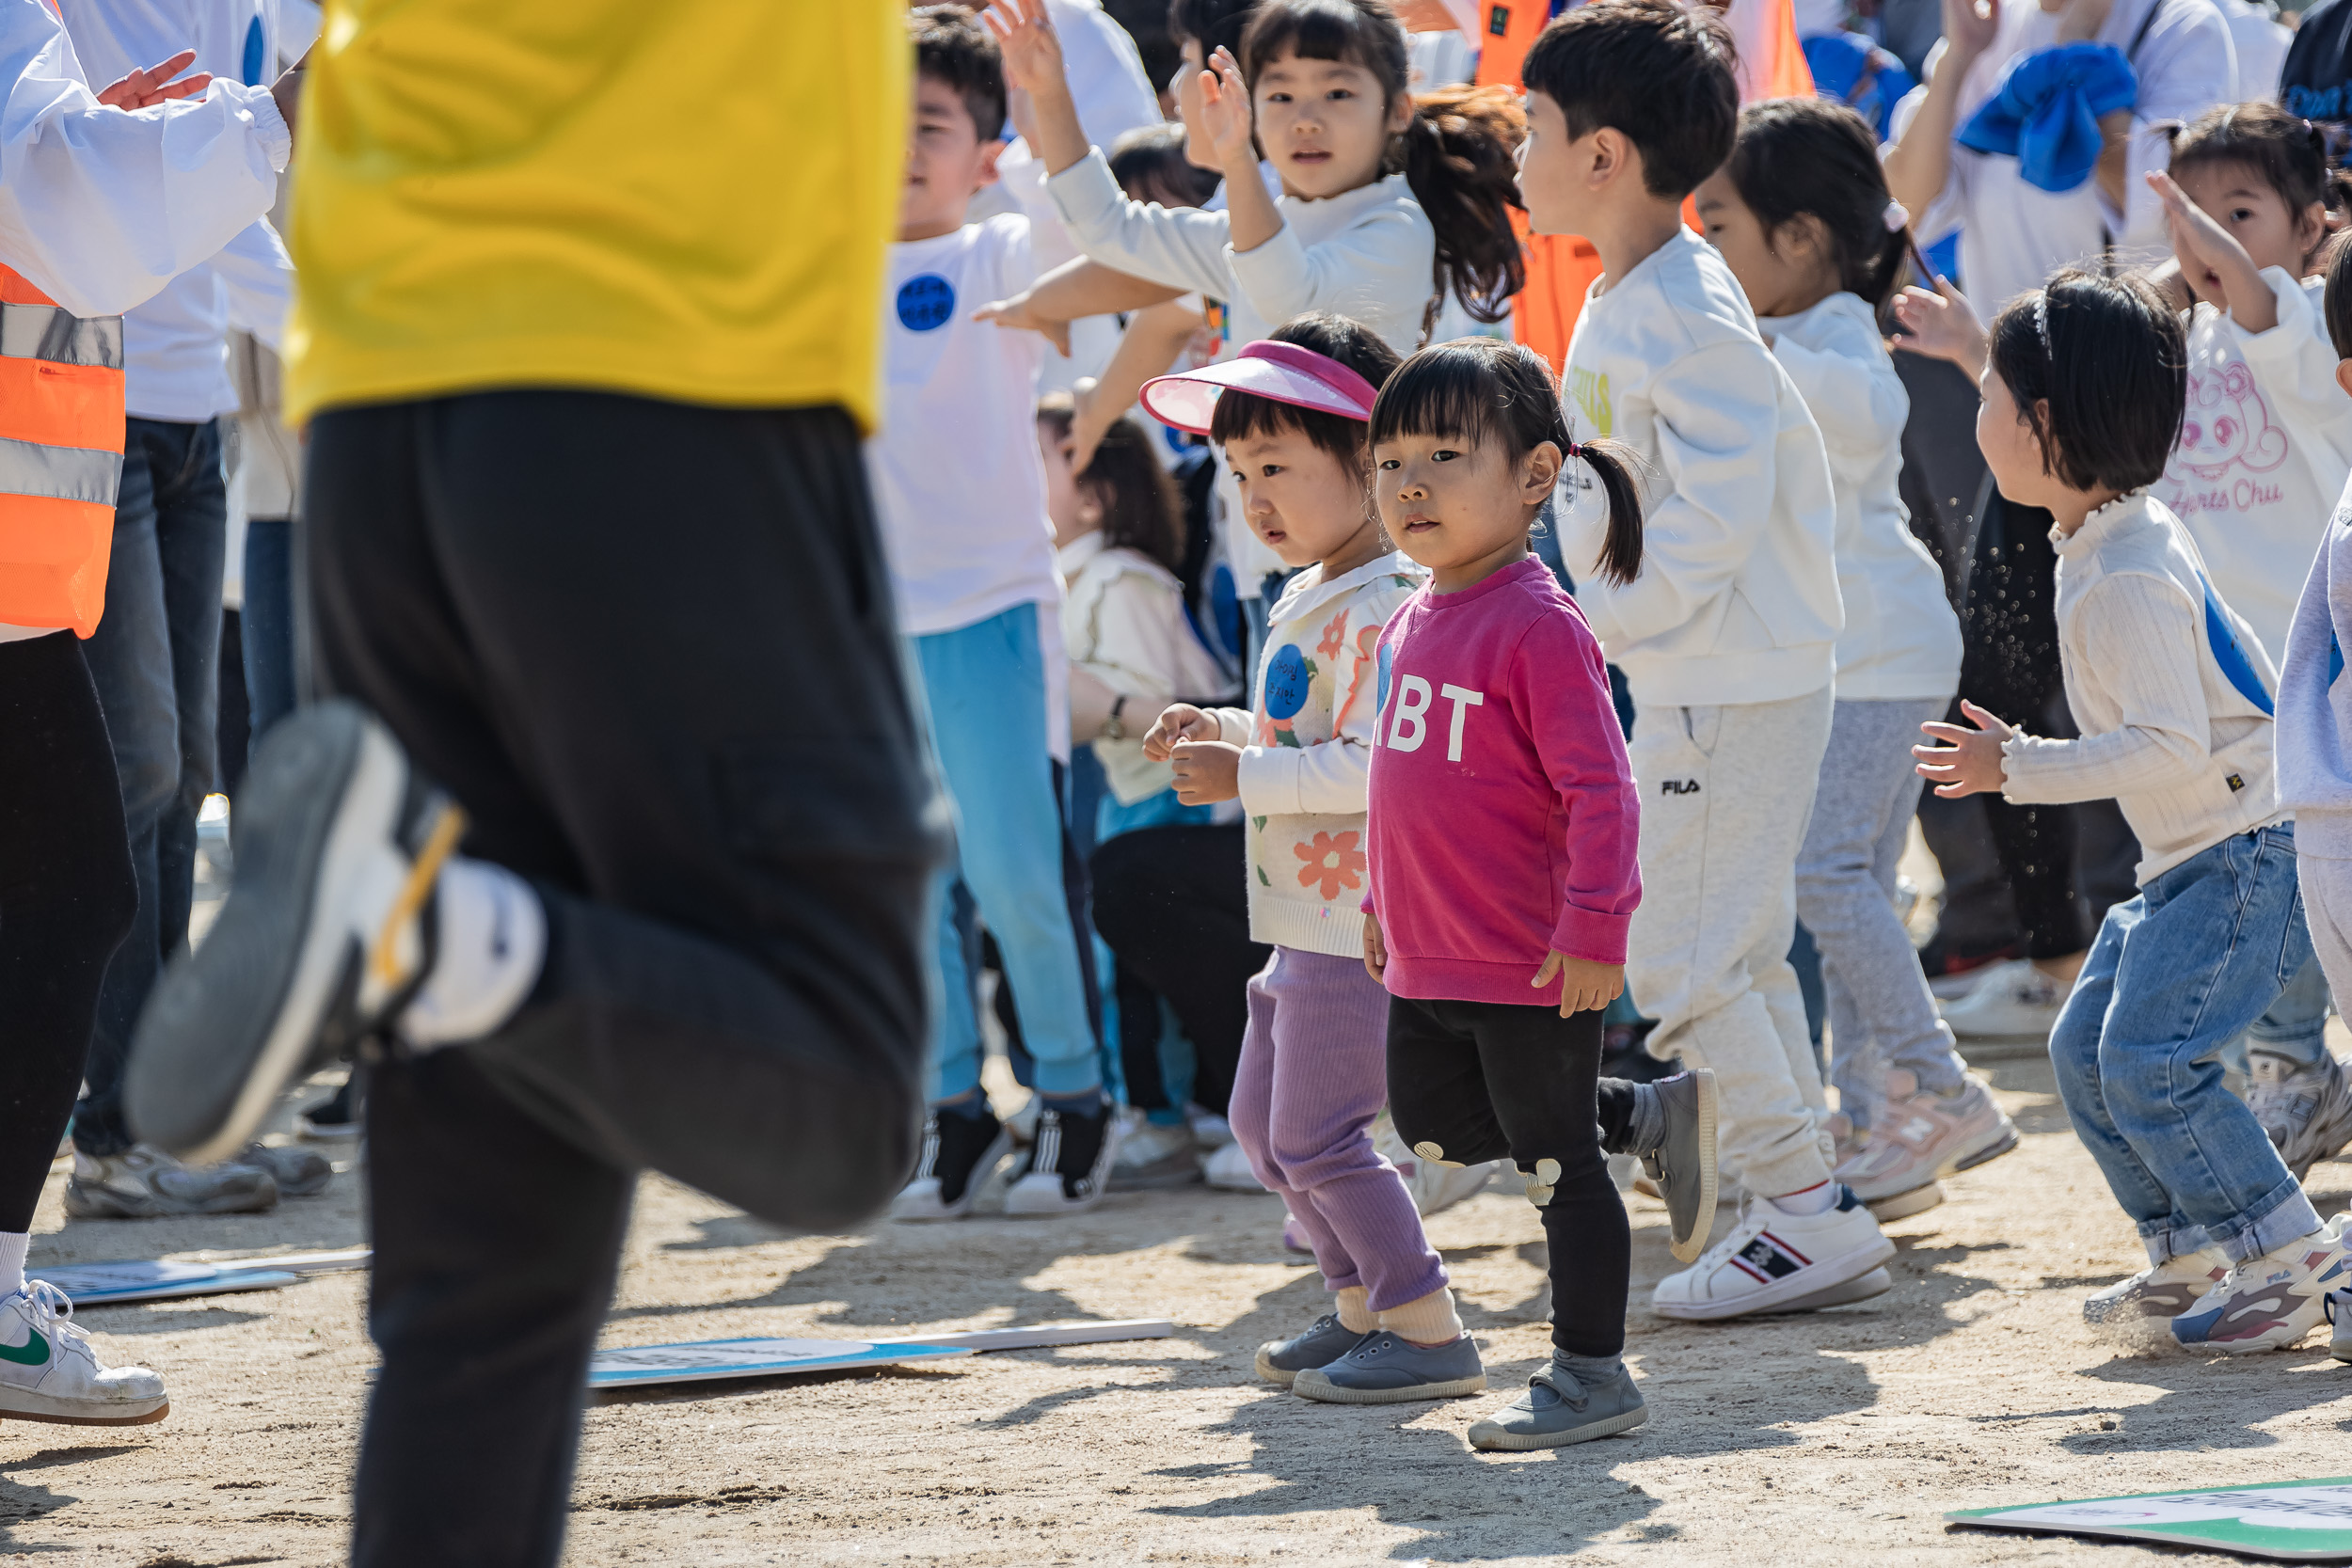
(1901, 639)
(2264, 448)
(1737, 599)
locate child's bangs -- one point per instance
(1239, 415)
(1308, 31)
(1448, 393)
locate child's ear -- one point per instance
(1541, 473)
(1804, 237)
(990, 152)
(2343, 374)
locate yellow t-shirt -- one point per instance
(688, 200)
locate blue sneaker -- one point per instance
(1389, 1368)
(1557, 1410)
(1325, 1342)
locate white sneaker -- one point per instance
(1775, 1262)
(1228, 1170)
(1916, 1135)
(2273, 1300)
(1208, 1129)
(2140, 1310)
(142, 1183)
(2306, 1110)
(1154, 1155)
(1434, 1184)
(50, 1373)
(2013, 1001)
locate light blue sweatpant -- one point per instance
(986, 690)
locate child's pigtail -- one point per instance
(1612, 463)
(1458, 160)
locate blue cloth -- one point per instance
(2200, 954)
(1852, 68)
(984, 687)
(2046, 113)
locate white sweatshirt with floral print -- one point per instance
(1307, 752)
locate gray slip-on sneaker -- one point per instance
(1389, 1368)
(1558, 1410)
(1323, 1341)
(1683, 1163)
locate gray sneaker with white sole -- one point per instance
(1389, 1368)
(1681, 1164)
(299, 1172)
(1559, 1409)
(1323, 1341)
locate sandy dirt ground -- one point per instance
(1837, 1438)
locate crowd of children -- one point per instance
(1451, 852)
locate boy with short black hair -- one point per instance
(961, 493)
(1727, 634)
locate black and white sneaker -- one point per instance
(1070, 1165)
(325, 936)
(958, 1153)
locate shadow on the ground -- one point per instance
(2210, 1404)
(121, 1318)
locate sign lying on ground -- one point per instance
(715, 1360)
(135, 1279)
(2288, 1521)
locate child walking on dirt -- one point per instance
(1504, 824)
(1729, 635)
(1802, 217)
(2083, 393)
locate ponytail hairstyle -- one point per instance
(1480, 390)
(1141, 508)
(1457, 153)
(1808, 157)
(1239, 415)
(2286, 151)
(2109, 357)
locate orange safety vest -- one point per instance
(60, 458)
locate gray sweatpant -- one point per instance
(1726, 792)
(1880, 1013)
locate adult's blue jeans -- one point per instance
(2173, 974)
(985, 691)
(155, 661)
(269, 640)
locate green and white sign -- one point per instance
(2288, 1521)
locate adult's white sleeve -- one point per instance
(1716, 452)
(100, 208)
(2186, 64)
(1180, 248)
(259, 276)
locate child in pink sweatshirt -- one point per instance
(1503, 822)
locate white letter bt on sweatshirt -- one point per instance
(1412, 700)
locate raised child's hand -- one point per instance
(1024, 34)
(1942, 326)
(1177, 723)
(1019, 314)
(2209, 256)
(1586, 985)
(1225, 114)
(144, 89)
(1970, 762)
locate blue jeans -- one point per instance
(2202, 953)
(986, 692)
(269, 622)
(155, 661)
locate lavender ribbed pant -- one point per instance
(1314, 1074)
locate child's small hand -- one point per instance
(1178, 722)
(2209, 256)
(1207, 772)
(1585, 987)
(1021, 316)
(1025, 35)
(1970, 763)
(1375, 947)
(1225, 113)
(1942, 326)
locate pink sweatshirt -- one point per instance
(1503, 814)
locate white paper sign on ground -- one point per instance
(712, 1360)
(105, 1284)
(2290, 1521)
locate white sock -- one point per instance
(492, 938)
(13, 1245)
(1819, 1198)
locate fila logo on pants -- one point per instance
(1408, 730)
(1679, 786)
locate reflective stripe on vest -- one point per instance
(60, 458)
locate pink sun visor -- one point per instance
(1283, 373)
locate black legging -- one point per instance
(2010, 666)
(66, 899)
(1173, 905)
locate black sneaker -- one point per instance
(1070, 1165)
(958, 1152)
(335, 1118)
(324, 938)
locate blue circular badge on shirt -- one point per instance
(925, 303)
(1285, 682)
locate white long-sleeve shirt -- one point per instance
(2011, 235)
(2314, 727)
(1737, 599)
(175, 346)
(2184, 753)
(1123, 619)
(1901, 639)
(2265, 446)
(100, 208)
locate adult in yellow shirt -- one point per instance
(614, 851)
